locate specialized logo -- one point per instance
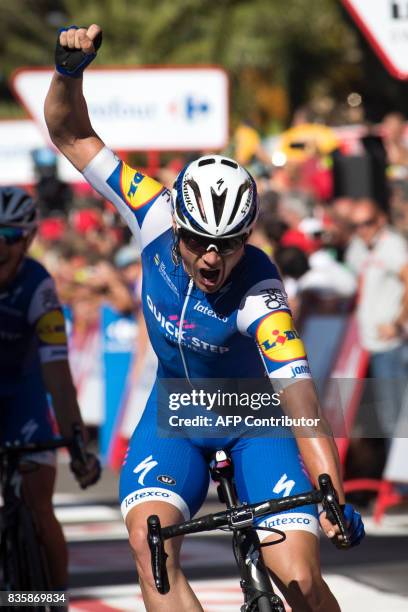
(138, 189)
(144, 467)
(278, 339)
(274, 299)
(157, 259)
(51, 328)
(28, 430)
(167, 480)
(284, 485)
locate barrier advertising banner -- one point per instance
(151, 109)
(119, 334)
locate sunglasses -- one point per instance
(365, 224)
(12, 235)
(200, 244)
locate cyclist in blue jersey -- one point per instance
(215, 307)
(33, 362)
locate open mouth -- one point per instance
(209, 278)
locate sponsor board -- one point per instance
(149, 109)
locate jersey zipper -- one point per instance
(181, 323)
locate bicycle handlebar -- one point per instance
(75, 446)
(237, 518)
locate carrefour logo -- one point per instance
(196, 107)
(191, 107)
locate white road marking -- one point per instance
(225, 596)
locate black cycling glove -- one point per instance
(72, 62)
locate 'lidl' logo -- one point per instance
(51, 328)
(278, 339)
(137, 188)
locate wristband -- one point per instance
(72, 62)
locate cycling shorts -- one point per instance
(175, 470)
(25, 415)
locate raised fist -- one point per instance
(76, 48)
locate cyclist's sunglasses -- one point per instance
(12, 235)
(199, 244)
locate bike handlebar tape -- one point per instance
(72, 62)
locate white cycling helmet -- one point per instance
(215, 196)
(17, 208)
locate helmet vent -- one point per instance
(228, 162)
(196, 190)
(218, 203)
(241, 191)
(206, 162)
(180, 213)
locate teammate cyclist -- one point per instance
(214, 307)
(33, 362)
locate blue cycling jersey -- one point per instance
(32, 332)
(31, 324)
(243, 330)
(239, 331)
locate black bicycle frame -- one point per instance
(255, 581)
(15, 509)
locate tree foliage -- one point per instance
(269, 46)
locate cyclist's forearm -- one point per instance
(59, 384)
(67, 118)
(321, 457)
(65, 109)
(316, 444)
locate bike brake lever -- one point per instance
(333, 511)
(158, 554)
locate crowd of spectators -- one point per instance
(339, 242)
